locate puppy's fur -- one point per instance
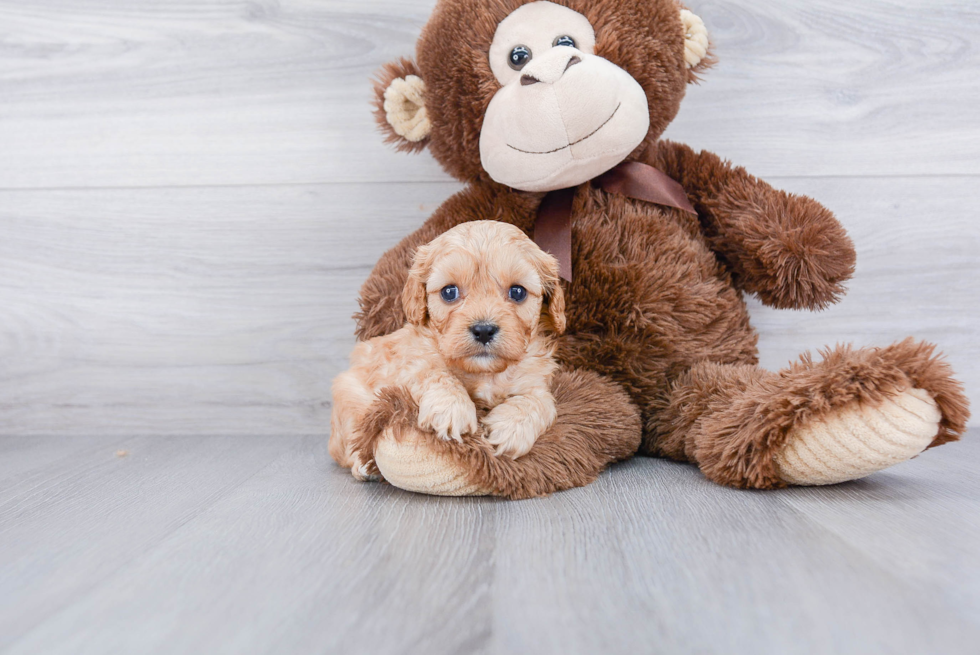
(439, 359)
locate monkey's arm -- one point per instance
(788, 250)
(380, 300)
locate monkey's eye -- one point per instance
(519, 57)
(517, 293)
(564, 40)
(450, 293)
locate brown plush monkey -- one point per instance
(519, 99)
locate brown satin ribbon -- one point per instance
(553, 227)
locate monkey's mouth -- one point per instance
(548, 152)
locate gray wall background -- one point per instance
(191, 192)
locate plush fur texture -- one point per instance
(733, 420)
(572, 453)
(655, 309)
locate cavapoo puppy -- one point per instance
(483, 305)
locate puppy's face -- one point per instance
(485, 290)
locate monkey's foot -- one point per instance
(859, 439)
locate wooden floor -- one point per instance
(191, 193)
(260, 545)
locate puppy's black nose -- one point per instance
(484, 332)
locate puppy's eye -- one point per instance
(450, 293)
(517, 293)
(564, 40)
(519, 57)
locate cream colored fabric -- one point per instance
(695, 38)
(405, 108)
(859, 440)
(409, 465)
(580, 118)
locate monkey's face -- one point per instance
(562, 114)
(541, 95)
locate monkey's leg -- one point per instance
(596, 425)
(845, 417)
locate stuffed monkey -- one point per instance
(551, 113)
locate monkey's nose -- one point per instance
(549, 67)
(527, 80)
(484, 332)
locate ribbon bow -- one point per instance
(553, 226)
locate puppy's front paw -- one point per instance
(365, 471)
(510, 430)
(449, 414)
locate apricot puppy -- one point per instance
(483, 305)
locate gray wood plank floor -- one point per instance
(261, 545)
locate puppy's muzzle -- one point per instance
(484, 332)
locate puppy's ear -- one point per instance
(555, 301)
(414, 297)
(554, 297)
(399, 106)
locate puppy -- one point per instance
(483, 305)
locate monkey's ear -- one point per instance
(414, 296)
(399, 106)
(697, 47)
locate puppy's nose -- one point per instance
(484, 332)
